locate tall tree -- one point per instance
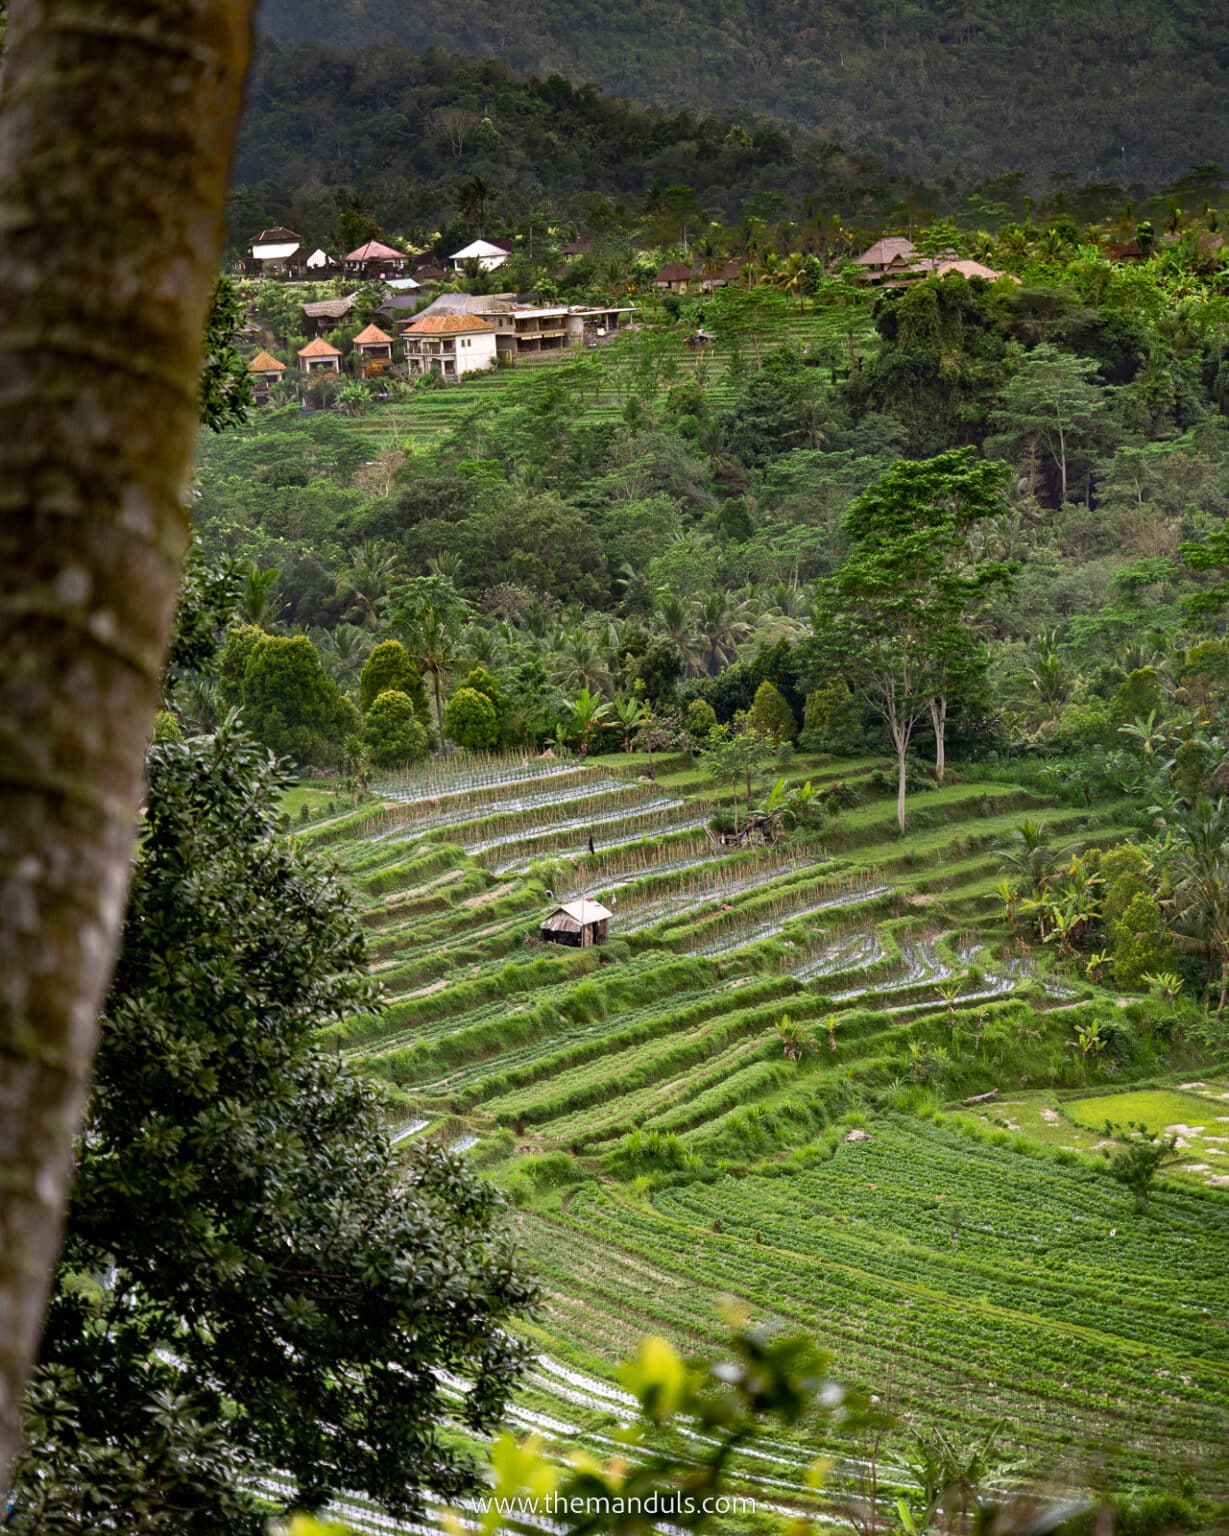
(893, 619)
(101, 347)
(268, 1264)
(1054, 404)
(949, 495)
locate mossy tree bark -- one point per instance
(117, 119)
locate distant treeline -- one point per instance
(397, 135)
(1130, 90)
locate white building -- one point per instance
(277, 252)
(489, 254)
(451, 345)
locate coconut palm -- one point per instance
(474, 199)
(432, 640)
(580, 659)
(721, 622)
(366, 580)
(259, 602)
(676, 619)
(342, 650)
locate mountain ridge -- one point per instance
(1128, 90)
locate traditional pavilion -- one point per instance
(320, 356)
(375, 345)
(265, 368)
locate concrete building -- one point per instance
(450, 345)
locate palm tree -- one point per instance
(1050, 675)
(1199, 900)
(432, 641)
(721, 623)
(199, 705)
(258, 598)
(366, 580)
(588, 710)
(1029, 858)
(342, 650)
(580, 659)
(676, 618)
(630, 714)
(474, 200)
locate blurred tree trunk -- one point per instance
(117, 120)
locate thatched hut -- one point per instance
(578, 923)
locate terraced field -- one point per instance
(601, 381)
(663, 1149)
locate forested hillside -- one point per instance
(1130, 90)
(408, 131)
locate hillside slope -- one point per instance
(1129, 89)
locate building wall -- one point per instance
(475, 352)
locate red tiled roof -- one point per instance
(446, 325)
(265, 362)
(372, 334)
(319, 348)
(676, 272)
(375, 251)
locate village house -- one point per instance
(970, 269)
(327, 314)
(375, 345)
(265, 370)
(319, 356)
(489, 254)
(450, 345)
(887, 257)
(581, 924)
(375, 260)
(589, 324)
(525, 329)
(676, 278)
(401, 306)
(277, 253)
(728, 272)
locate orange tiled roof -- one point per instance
(446, 325)
(372, 333)
(319, 348)
(265, 362)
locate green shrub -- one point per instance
(393, 732)
(832, 721)
(1125, 872)
(390, 666)
(701, 718)
(770, 715)
(1142, 942)
(470, 720)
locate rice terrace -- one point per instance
(825, 1079)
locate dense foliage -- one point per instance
(250, 1286)
(1133, 92)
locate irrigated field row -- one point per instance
(972, 1279)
